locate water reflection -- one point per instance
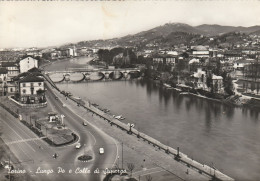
(229, 111)
(209, 130)
(208, 118)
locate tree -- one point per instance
(257, 87)
(180, 65)
(229, 86)
(252, 86)
(130, 167)
(209, 81)
(216, 86)
(149, 178)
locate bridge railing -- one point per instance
(74, 70)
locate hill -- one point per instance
(177, 33)
(213, 30)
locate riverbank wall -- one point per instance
(180, 157)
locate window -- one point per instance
(24, 91)
(31, 84)
(11, 89)
(23, 84)
(39, 83)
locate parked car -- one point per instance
(78, 145)
(101, 151)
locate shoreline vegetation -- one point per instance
(234, 100)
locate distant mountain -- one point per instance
(177, 33)
(255, 32)
(169, 28)
(213, 30)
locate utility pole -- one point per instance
(122, 155)
(9, 169)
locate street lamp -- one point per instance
(46, 131)
(62, 120)
(118, 161)
(130, 128)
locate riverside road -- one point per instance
(37, 156)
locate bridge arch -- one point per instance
(116, 75)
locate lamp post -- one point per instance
(130, 128)
(118, 161)
(46, 131)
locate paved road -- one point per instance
(92, 137)
(36, 154)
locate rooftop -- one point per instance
(200, 48)
(9, 64)
(3, 70)
(31, 78)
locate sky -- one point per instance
(53, 23)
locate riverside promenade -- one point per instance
(164, 157)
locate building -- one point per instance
(12, 69)
(69, 52)
(55, 54)
(200, 79)
(200, 51)
(165, 59)
(227, 66)
(27, 64)
(3, 74)
(31, 89)
(240, 64)
(217, 82)
(3, 79)
(233, 55)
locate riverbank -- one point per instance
(237, 100)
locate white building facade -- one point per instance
(27, 64)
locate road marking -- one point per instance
(19, 136)
(28, 135)
(93, 137)
(116, 152)
(23, 140)
(145, 170)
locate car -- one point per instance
(78, 145)
(101, 151)
(56, 98)
(84, 123)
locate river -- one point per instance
(208, 131)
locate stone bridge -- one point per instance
(79, 75)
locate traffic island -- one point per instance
(52, 132)
(116, 176)
(85, 158)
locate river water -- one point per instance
(208, 131)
